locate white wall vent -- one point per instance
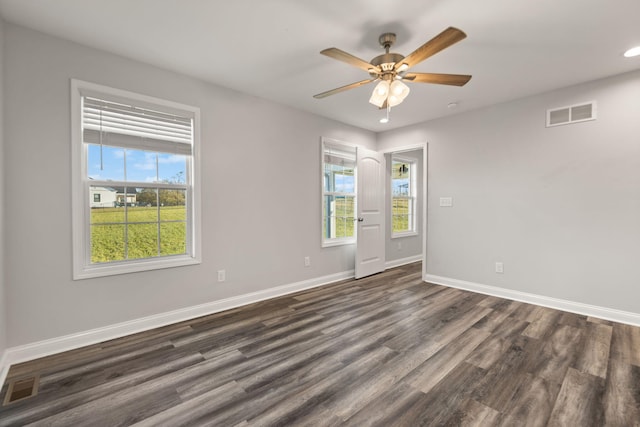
(572, 114)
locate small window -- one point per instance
(135, 182)
(403, 196)
(338, 193)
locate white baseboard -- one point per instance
(559, 304)
(403, 261)
(48, 347)
(4, 367)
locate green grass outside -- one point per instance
(108, 231)
(342, 218)
(400, 212)
(344, 214)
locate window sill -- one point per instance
(330, 244)
(404, 234)
(101, 270)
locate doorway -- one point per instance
(406, 184)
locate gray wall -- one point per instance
(559, 206)
(410, 246)
(3, 311)
(251, 148)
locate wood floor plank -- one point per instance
(532, 403)
(188, 412)
(499, 314)
(594, 357)
(390, 408)
(579, 401)
(434, 369)
(501, 381)
(622, 389)
(320, 391)
(600, 321)
(437, 406)
(386, 350)
(488, 352)
(628, 340)
(542, 322)
(473, 414)
(573, 319)
(23, 413)
(554, 357)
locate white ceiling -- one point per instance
(270, 49)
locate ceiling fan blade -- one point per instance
(442, 41)
(439, 79)
(343, 88)
(343, 56)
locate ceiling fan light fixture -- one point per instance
(382, 88)
(393, 100)
(403, 67)
(380, 93)
(398, 92)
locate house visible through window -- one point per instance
(137, 166)
(403, 196)
(339, 193)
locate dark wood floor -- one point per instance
(384, 350)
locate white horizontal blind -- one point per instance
(115, 124)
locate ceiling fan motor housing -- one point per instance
(387, 60)
(386, 40)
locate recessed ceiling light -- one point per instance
(634, 51)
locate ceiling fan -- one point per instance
(391, 68)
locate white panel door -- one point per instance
(370, 249)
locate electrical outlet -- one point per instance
(307, 261)
(499, 267)
(399, 246)
(446, 201)
(222, 276)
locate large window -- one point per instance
(403, 196)
(338, 193)
(135, 182)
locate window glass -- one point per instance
(105, 163)
(339, 193)
(402, 196)
(172, 168)
(136, 175)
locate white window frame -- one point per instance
(81, 211)
(412, 196)
(338, 241)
